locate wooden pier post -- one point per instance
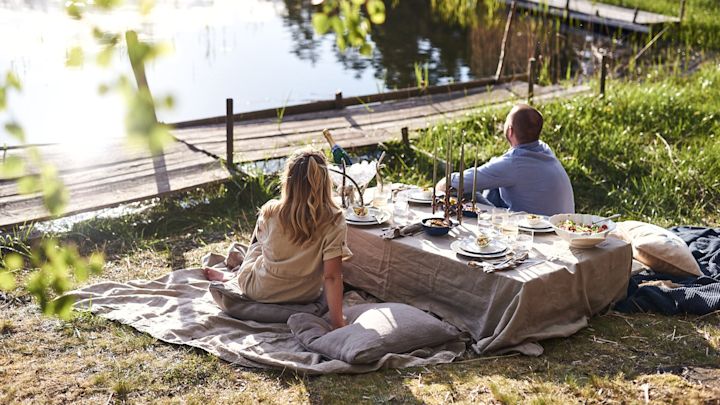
(405, 136)
(531, 79)
(506, 37)
(682, 10)
(229, 132)
(338, 100)
(603, 74)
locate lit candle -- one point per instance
(474, 199)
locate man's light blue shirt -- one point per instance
(530, 178)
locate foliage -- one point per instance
(346, 19)
(649, 150)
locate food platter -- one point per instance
(374, 217)
(456, 247)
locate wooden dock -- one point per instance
(599, 14)
(117, 174)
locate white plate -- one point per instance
(374, 217)
(419, 195)
(493, 248)
(541, 225)
(456, 247)
(537, 230)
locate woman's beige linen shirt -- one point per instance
(277, 271)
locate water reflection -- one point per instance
(262, 53)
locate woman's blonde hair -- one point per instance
(306, 206)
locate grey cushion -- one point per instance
(373, 331)
(240, 306)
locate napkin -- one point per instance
(400, 231)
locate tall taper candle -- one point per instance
(461, 185)
(474, 199)
(448, 171)
(434, 181)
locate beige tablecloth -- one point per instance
(503, 311)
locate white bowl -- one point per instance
(578, 239)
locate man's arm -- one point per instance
(494, 174)
(333, 282)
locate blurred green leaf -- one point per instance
(75, 8)
(12, 167)
(29, 184)
(14, 129)
(321, 23)
(3, 98)
(104, 57)
(103, 89)
(376, 11)
(7, 281)
(75, 57)
(146, 6)
(60, 307)
(11, 80)
(168, 102)
(96, 261)
(107, 4)
(366, 50)
(55, 195)
(13, 262)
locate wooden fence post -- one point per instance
(405, 136)
(531, 79)
(682, 10)
(603, 74)
(229, 121)
(338, 100)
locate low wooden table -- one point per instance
(502, 311)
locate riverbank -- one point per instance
(648, 150)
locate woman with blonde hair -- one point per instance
(298, 244)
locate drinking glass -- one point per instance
(524, 240)
(400, 211)
(510, 228)
(497, 217)
(380, 198)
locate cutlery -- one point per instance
(599, 221)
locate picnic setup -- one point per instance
(433, 273)
(360, 201)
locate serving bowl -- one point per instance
(434, 230)
(581, 239)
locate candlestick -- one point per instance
(461, 185)
(474, 188)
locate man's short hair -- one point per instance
(526, 122)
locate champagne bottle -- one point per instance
(338, 153)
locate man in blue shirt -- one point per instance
(528, 177)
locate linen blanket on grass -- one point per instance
(178, 308)
(692, 295)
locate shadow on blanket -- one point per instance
(179, 308)
(652, 292)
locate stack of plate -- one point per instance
(419, 196)
(468, 247)
(373, 217)
(542, 226)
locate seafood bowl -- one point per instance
(435, 226)
(576, 229)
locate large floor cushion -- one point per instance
(237, 305)
(373, 331)
(660, 249)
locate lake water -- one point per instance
(261, 53)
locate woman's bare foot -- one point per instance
(214, 274)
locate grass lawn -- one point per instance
(649, 150)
